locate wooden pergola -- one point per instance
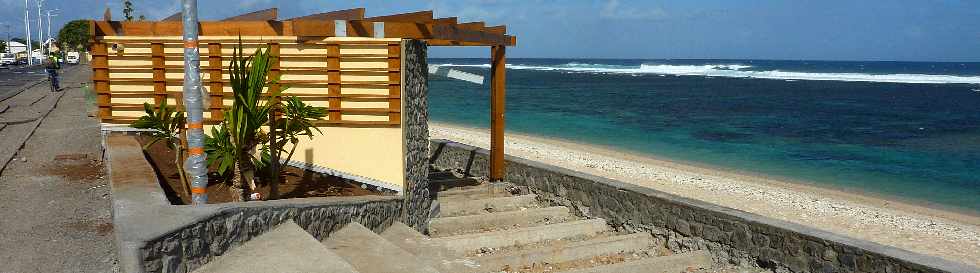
(342, 23)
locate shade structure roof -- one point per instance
(342, 23)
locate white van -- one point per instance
(7, 59)
(71, 57)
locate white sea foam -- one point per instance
(737, 71)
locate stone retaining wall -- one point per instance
(187, 248)
(732, 236)
(154, 236)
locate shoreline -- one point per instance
(922, 227)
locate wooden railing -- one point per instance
(358, 81)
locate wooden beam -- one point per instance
(100, 77)
(333, 79)
(411, 17)
(464, 34)
(498, 73)
(174, 17)
(472, 26)
(347, 14)
(159, 74)
(445, 21)
(501, 30)
(216, 84)
(394, 76)
(262, 15)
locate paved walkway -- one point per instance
(54, 201)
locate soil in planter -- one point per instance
(295, 182)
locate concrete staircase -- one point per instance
(481, 227)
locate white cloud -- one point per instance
(612, 10)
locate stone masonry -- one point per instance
(416, 133)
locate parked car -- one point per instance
(71, 57)
(7, 59)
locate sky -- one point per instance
(902, 30)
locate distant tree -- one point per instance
(74, 35)
(3, 46)
(128, 10)
(142, 17)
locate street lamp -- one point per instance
(40, 26)
(49, 27)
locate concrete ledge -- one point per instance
(732, 236)
(154, 236)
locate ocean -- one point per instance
(909, 130)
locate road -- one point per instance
(13, 77)
(54, 199)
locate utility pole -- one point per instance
(40, 25)
(27, 26)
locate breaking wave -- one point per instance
(736, 71)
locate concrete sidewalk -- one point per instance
(53, 198)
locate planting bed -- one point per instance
(296, 182)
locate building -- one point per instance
(17, 47)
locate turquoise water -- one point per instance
(910, 130)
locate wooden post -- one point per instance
(498, 73)
(215, 84)
(394, 83)
(333, 82)
(159, 74)
(100, 76)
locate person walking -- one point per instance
(51, 65)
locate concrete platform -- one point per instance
(370, 253)
(285, 249)
(443, 226)
(566, 252)
(684, 262)
(460, 244)
(461, 207)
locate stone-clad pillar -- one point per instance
(415, 117)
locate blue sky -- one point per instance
(916, 30)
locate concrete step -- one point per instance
(484, 191)
(286, 248)
(405, 237)
(370, 253)
(684, 262)
(462, 244)
(445, 226)
(564, 252)
(435, 255)
(452, 207)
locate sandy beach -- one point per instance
(929, 230)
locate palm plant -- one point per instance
(235, 143)
(166, 125)
(237, 147)
(297, 121)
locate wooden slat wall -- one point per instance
(358, 80)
